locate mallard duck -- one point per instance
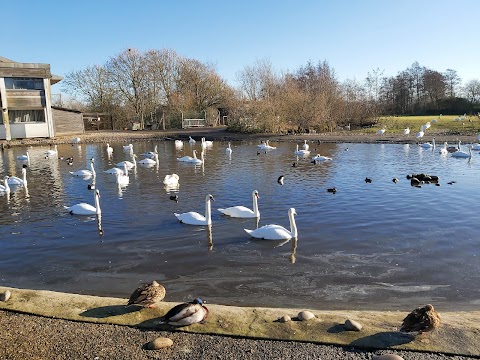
(186, 314)
(147, 295)
(421, 319)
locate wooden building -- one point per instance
(26, 102)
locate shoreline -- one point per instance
(47, 324)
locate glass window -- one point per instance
(25, 116)
(23, 83)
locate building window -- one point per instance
(26, 116)
(23, 83)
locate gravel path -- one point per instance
(33, 337)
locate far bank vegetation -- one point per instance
(159, 87)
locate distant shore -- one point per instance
(221, 134)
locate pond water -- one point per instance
(378, 245)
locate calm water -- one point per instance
(371, 246)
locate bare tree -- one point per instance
(452, 81)
(472, 91)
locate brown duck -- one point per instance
(421, 319)
(147, 295)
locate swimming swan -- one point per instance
(122, 178)
(228, 150)
(86, 209)
(194, 218)
(85, 173)
(149, 161)
(171, 180)
(462, 154)
(51, 152)
(305, 145)
(319, 157)
(242, 211)
(301, 152)
(194, 159)
(276, 232)
(109, 149)
(24, 157)
(16, 181)
(151, 154)
(191, 141)
(130, 165)
(5, 188)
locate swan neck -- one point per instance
(97, 204)
(92, 168)
(293, 225)
(208, 212)
(255, 206)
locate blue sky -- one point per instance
(353, 36)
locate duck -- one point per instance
(194, 218)
(130, 165)
(302, 152)
(171, 180)
(109, 149)
(305, 145)
(5, 188)
(86, 209)
(16, 181)
(462, 154)
(242, 211)
(122, 178)
(148, 161)
(186, 313)
(318, 158)
(421, 319)
(151, 154)
(368, 180)
(280, 179)
(228, 150)
(51, 152)
(406, 131)
(332, 190)
(25, 157)
(85, 173)
(191, 141)
(178, 144)
(276, 232)
(147, 295)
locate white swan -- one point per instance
(428, 145)
(191, 141)
(381, 131)
(109, 149)
(206, 143)
(406, 131)
(128, 148)
(123, 179)
(151, 154)
(242, 211)
(228, 150)
(24, 157)
(178, 144)
(51, 152)
(319, 157)
(476, 147)
(194, 159)
(86, 209)
(462, 154)
(276, 232)
(171, 180)
(85, 173)
(444, 150)
(148, 161)
(268, 146)
(305, 145)
(301, 152)
(130, 165)
(420, 134)
(16, 181)
(194, 218)
(114, 171)
(5, 188)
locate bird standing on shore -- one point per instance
(421, 319)
(147, 295)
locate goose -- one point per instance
(462, 154)
(128, 148)
(5, 188)
(16, 181)
(421, 319)
(444, 150)
(302, 152)
(319, 157)
(191, 141)
(151, 154)
(25, 157)
(406, 131)
(242, 211)
(86, 209)
(122, 178)
(129, 164)
(428, 145)
(305, 145)
(276, 232)
(178, 144)
(228, 150)
(109, 149)
(381, 131)
(85, 173)
(186, 314)
(148, 161)
(51, 152)
(171, 180)
(147, 295)
(194, 218)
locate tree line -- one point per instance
(160, 87)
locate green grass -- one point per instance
(445, 124)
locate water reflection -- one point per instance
(209, 237)
(99, 224)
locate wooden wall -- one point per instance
(67, 122)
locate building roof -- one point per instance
(53, 80)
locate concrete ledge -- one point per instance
(458, 334)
